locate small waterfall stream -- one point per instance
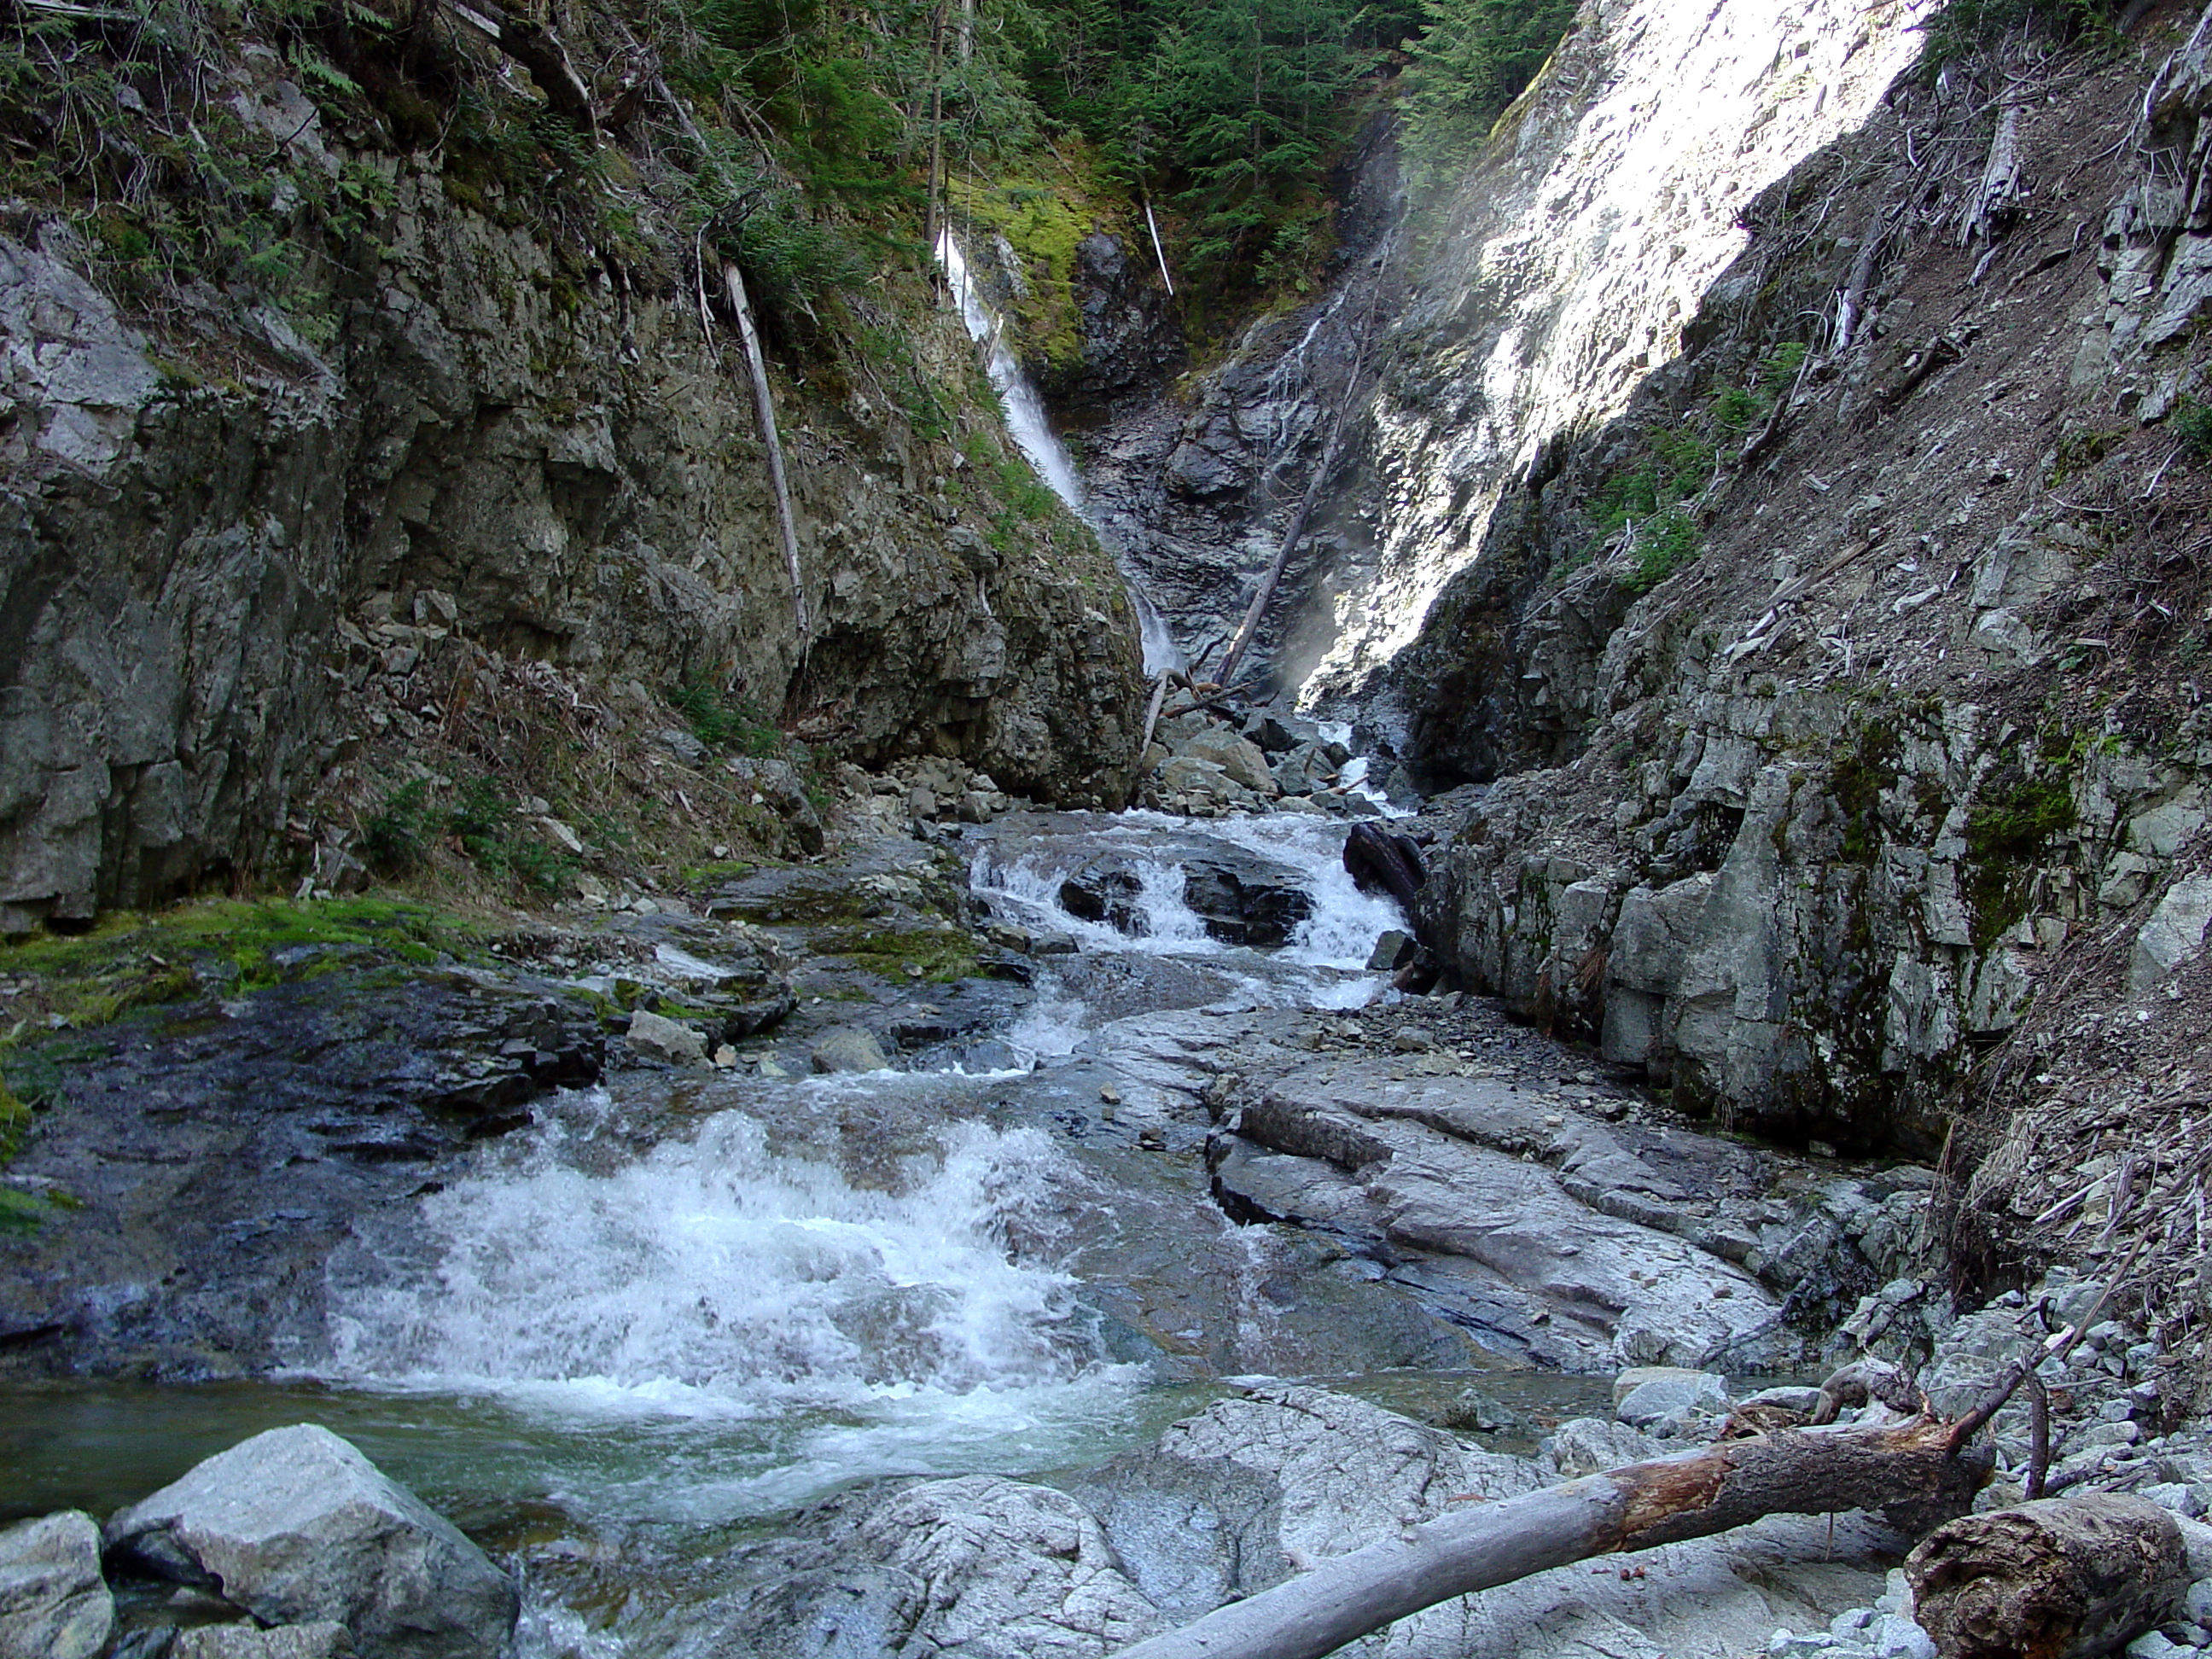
(1032, 432)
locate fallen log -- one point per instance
(2058, 1578)
(1733, 1482)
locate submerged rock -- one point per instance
(53, 1602)
(298, 1528)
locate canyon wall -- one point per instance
(216, 531)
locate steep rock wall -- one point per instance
(1911, 749)
(557, 470)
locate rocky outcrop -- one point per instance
(53, 1602)
(1798, 816)
(297, 1528)
(198, 571)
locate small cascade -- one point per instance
(1033, 435)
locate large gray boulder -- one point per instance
(298, 1528)
(53, 1602)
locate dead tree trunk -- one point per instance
(1992, 204)
(2059, 1578)
(1803, 1471)
(764, 409)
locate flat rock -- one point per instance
(53, 1602)
(295, 1526)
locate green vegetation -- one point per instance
(941, 954)
(2192, 425)
(1676, 463)
(2079, 450)
(480, 821)
(1474, 58)
(724, 720)
(1964, 27)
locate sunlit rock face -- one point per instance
(1573, 253)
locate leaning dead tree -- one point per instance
(734, 287)
(1792, 1471)
(1295, 530)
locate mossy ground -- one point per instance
(1044, 208)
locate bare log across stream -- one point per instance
(1800, 1472)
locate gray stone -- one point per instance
(2173, 935)
(657, 1037)
(848, 1048)
(324, 1640)
(53, 1602)
(1392, 951)
(687, 748)
(1584, 1445)
(1894, 1636)
(1647, 1394)
(298, 1528)
(1244, 763)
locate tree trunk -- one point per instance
(765, 409)
(1992, 205)
(2058, 1578)
(1804, 1472)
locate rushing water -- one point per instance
(645, 1323)
(1032, 432)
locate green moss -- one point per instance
(1868, 769)
(945, 954)
(136, 960)
(1044, 218)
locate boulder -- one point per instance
(1584, 1445)
(1246, 901)
(659, 1038)
(848, 1048)
(1649, 1395)
(298, 1528)
(1392, 951)
(1244, 763)
(53, 1602)
(325, 1640)
(2173, 935)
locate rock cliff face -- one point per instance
(1891, 739)
(1527, 302)
(556, 470)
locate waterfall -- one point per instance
(1033, 435)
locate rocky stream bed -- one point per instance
(1012, 1239)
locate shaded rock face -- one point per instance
(1131, 341)
(577, 481)
(180, 1261)
(297, 1528)
(53, 1602)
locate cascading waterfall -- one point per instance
(1033, 435)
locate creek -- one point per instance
(682, 1307)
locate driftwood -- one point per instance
(764, 411)
(1994, 200)
(763, 401)
(2061, 1578)
(1803, 1472)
